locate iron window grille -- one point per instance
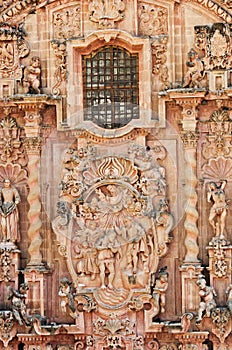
(111, 87)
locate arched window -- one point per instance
(110, 87)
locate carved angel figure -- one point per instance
(18, 299)
(207, 294)
(195, 70)
(31, 79)
(160, 288)
(9, 199)
(67, 293)
(219, 208)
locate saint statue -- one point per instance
(9, 217)
(218, 211)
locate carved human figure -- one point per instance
(9, 200)
(194, 75)
(86, 259)
(106, 258)
(67, 293)
(138, 251)
(31, 79)
(160, 288)
(207, 294)
(18, 299)
(219, 208)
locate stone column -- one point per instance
(190, 139)
(191, 266)
(35, 272)
(32, 145)
(189, 136)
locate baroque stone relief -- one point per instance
(214, 42)
(12, 47)
(106, 12)
(159, 59)
(67, 22)
(59, 86)
(153, 20)
(113, 222)
(218, 142)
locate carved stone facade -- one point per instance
(115, 175)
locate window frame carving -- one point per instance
(78, 48)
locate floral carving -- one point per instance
(159, 58)
(136, 303)
(5, 266)
(220, 265)
(219, 136)
(12, 48)
(7, 329)
(113, 325)
(138, 343)
(60, 71)
(106, 12)
(67, 22)
(153, 20)
(221, 319)
(10, 142)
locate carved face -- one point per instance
(7, 183)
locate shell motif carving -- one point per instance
(217, 169)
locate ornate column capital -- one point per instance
(32, 145)
(189, 138)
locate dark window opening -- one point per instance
(110, 87)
